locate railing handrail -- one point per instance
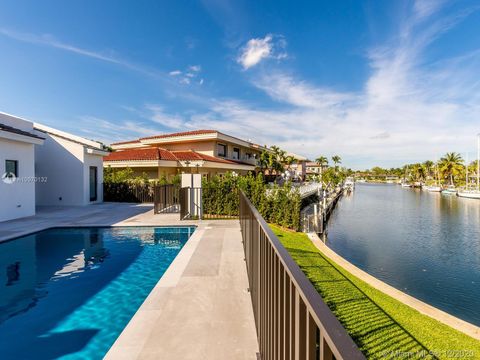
(334, 333)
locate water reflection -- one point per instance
(426, 244)
(71, 291)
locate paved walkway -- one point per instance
(200, 308)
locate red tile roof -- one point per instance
(150, 153)
(154, 153)
(184, 133)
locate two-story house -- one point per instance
(207, 152)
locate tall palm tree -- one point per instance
(336, 160)
(322, 161)
(451, 165)
(428, 167)
(289, 160)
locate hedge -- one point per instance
(278, 204)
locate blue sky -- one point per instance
(377, 82)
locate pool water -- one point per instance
(69, 292)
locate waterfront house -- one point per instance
(206, 152)
(313, 168)
(17, 167)
(69, 169)
(298, 168)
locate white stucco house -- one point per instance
(72, 167)
(42, 166)
(17, 167)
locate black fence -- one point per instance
(125, 192)
(166, 199)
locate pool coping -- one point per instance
(122, 347)
(456, 323)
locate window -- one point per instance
(222, 150)
(236, 154)
(248, 155)
(11, 168)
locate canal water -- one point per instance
(425, 244)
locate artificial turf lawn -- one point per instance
(381, 326)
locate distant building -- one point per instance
(298, 168)
(313, 168)
(206, 152)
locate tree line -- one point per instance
(449, 169)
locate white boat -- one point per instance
(449, 191)
(349, 183)
(432, 188)
(471, 194)
(406, 185)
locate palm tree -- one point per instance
(289, 160)
(428, 167)
(336, 160)
(450, 165)
(322, 161)
(417, 172)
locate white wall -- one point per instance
(66, 165)
(60, 161)
(17, 199)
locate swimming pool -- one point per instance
(69, 292)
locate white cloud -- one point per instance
(408, 110)
(108, 131)
(49, 40)
(159, 116)
(425, 8)
(258, 49)
(195, 68)
(185, 77)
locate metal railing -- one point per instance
(309, 189)
(184, 203)
(166, 199)
(127, 192)
(291, 319)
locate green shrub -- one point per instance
(279, 205)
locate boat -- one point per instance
(433, 188)
(469, 193)
(450, 190)
(406, 185)
(349, 183)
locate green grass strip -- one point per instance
(381, 326)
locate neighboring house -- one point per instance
(298, 168)
(313, 168)
(17, 167)
(72, 167)
(206, 152)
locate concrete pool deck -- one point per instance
(199, 309)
